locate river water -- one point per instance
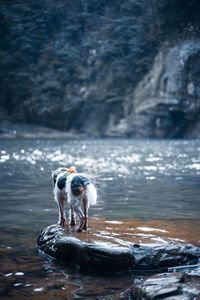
(153, 184)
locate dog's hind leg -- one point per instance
(76, 203)
(61, 204)
(83, 215)
(72, 216)
(85, 211)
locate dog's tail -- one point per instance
(91, 194)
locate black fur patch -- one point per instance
(78, 181)
(62, 181)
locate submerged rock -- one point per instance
(102, 251)
(169, 286)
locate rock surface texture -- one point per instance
(169, 286)
(167, 101)
(102, 252)
(161, 267)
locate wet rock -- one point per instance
(93, 254)
(168, 286)
(91, 250)
(164, 255)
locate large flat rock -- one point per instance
(112, 250)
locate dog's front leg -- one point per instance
(61, 204)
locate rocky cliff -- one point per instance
(167, 100)
(102, 68)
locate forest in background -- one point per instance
(74, 65)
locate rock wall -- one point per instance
(166, 103)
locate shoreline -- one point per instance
(9, 130)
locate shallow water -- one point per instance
(149, 187)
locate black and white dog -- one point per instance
(76, 189)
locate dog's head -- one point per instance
(62, 170)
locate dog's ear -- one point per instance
(71, 169)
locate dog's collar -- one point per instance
(71, 170)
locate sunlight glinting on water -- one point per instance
(133, 159)
(147, 229)
(194, 166)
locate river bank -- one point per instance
(31, 131)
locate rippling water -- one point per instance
(136, 180)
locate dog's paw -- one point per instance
(83, 224)
(61, 222)
(84, 227)
(79, 229)
(72, 223)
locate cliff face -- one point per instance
(167, 100)
(101, 68)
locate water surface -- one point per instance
(143, 185)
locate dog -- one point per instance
(76, 189)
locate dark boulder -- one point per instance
(88, 250)
(93, 254)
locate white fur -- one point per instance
(91, 194)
